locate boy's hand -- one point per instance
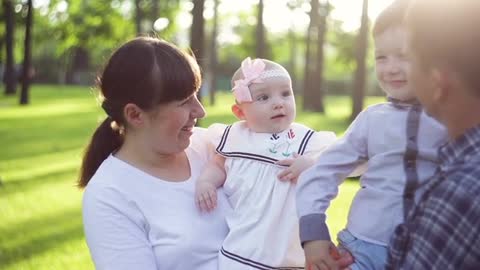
(206, 196)
(297, 164)
(323, 255)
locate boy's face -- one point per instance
(391, 63)
(273, 107)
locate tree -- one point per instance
(197, 31)
(260, 33)
(10, 73)
(138, 17)
(317, 93)
(155, 10)
(213, 54)
(313, 96)
(361, 70)
(27, 71)
(292, 37)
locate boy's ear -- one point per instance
(238, 112)
(133, 114)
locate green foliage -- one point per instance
(42, 145)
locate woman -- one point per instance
(140, 168)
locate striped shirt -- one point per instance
(443, 230)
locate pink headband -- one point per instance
(253, 72)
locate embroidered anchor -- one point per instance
(290, 137)
(274, 138)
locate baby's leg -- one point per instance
(367, 256)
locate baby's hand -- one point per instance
(206, 196)
(296, 166)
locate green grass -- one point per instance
(42, 144)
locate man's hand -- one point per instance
(323, 255)
(206, 196)
(296, 165)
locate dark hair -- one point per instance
(391, 16)
(146, 72)
(445, 33)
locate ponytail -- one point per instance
(104, 141)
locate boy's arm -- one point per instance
(212, 177)
(318, 185)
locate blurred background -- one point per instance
(52, 50)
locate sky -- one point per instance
(277, 16)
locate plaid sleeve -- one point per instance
(443, 233)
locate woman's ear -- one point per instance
(133, 114)
(238, 112)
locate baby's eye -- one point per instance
(286, 93)
(262, 97)
(380, 57)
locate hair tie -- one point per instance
(108, 109)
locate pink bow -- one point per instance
(251, 72)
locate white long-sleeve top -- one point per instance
(133, 220)
(399, 142)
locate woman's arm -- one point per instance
(114, 231)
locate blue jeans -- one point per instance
(367, 256)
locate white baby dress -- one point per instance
(263, 224)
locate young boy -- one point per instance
(443, 230)
(398, 141)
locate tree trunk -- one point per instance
(155, 10)
(10, 75)
(361, 70)
(293, 56)
(27, 58)
(79, 62)
(309, 79)
(260, 33)
(197, 34)
(317, 93)
(138, 17)
(213, 55)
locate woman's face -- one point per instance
(170, 126)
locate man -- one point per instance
(443, 230)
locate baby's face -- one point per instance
(392, 64)
(272, 109)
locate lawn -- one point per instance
(42, 144)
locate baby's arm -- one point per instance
(211, 178)
(296, 166)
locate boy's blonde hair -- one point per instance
(392, 16)
(446, 33)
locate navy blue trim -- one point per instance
(303, 145)
(223, 141)
(252, 263)
(224, 138)
(250, 156)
